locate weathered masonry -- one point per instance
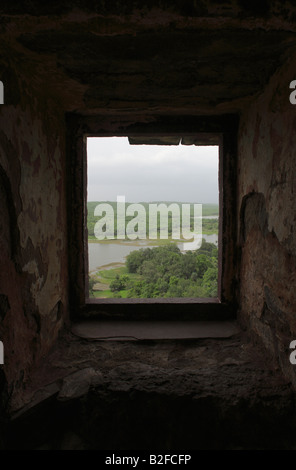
(72, 377)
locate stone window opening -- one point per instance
(192, 131)
(152, 219)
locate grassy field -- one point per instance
(104, 277)
(210, 209)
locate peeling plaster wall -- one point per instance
(266, 195)
(33, 261)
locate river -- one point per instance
(102, 254)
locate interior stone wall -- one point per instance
(129, 59)
(266, 198)
(33, 263)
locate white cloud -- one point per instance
(147, 172)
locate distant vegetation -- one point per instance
(160, 272)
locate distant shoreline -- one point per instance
(144, 242)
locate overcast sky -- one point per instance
(146, 173)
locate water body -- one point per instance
(101, 254)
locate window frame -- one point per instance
(209, 130)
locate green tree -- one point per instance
(149, 271)
(202, 264)
(135, 259)
(119, 283)
(91, 283)
(167, 272)
(209, 281)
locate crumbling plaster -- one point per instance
(33, 279)
(266, 200)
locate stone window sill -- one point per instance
(153, 330)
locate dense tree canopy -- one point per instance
(167, 272)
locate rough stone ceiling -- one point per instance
(185, 57)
